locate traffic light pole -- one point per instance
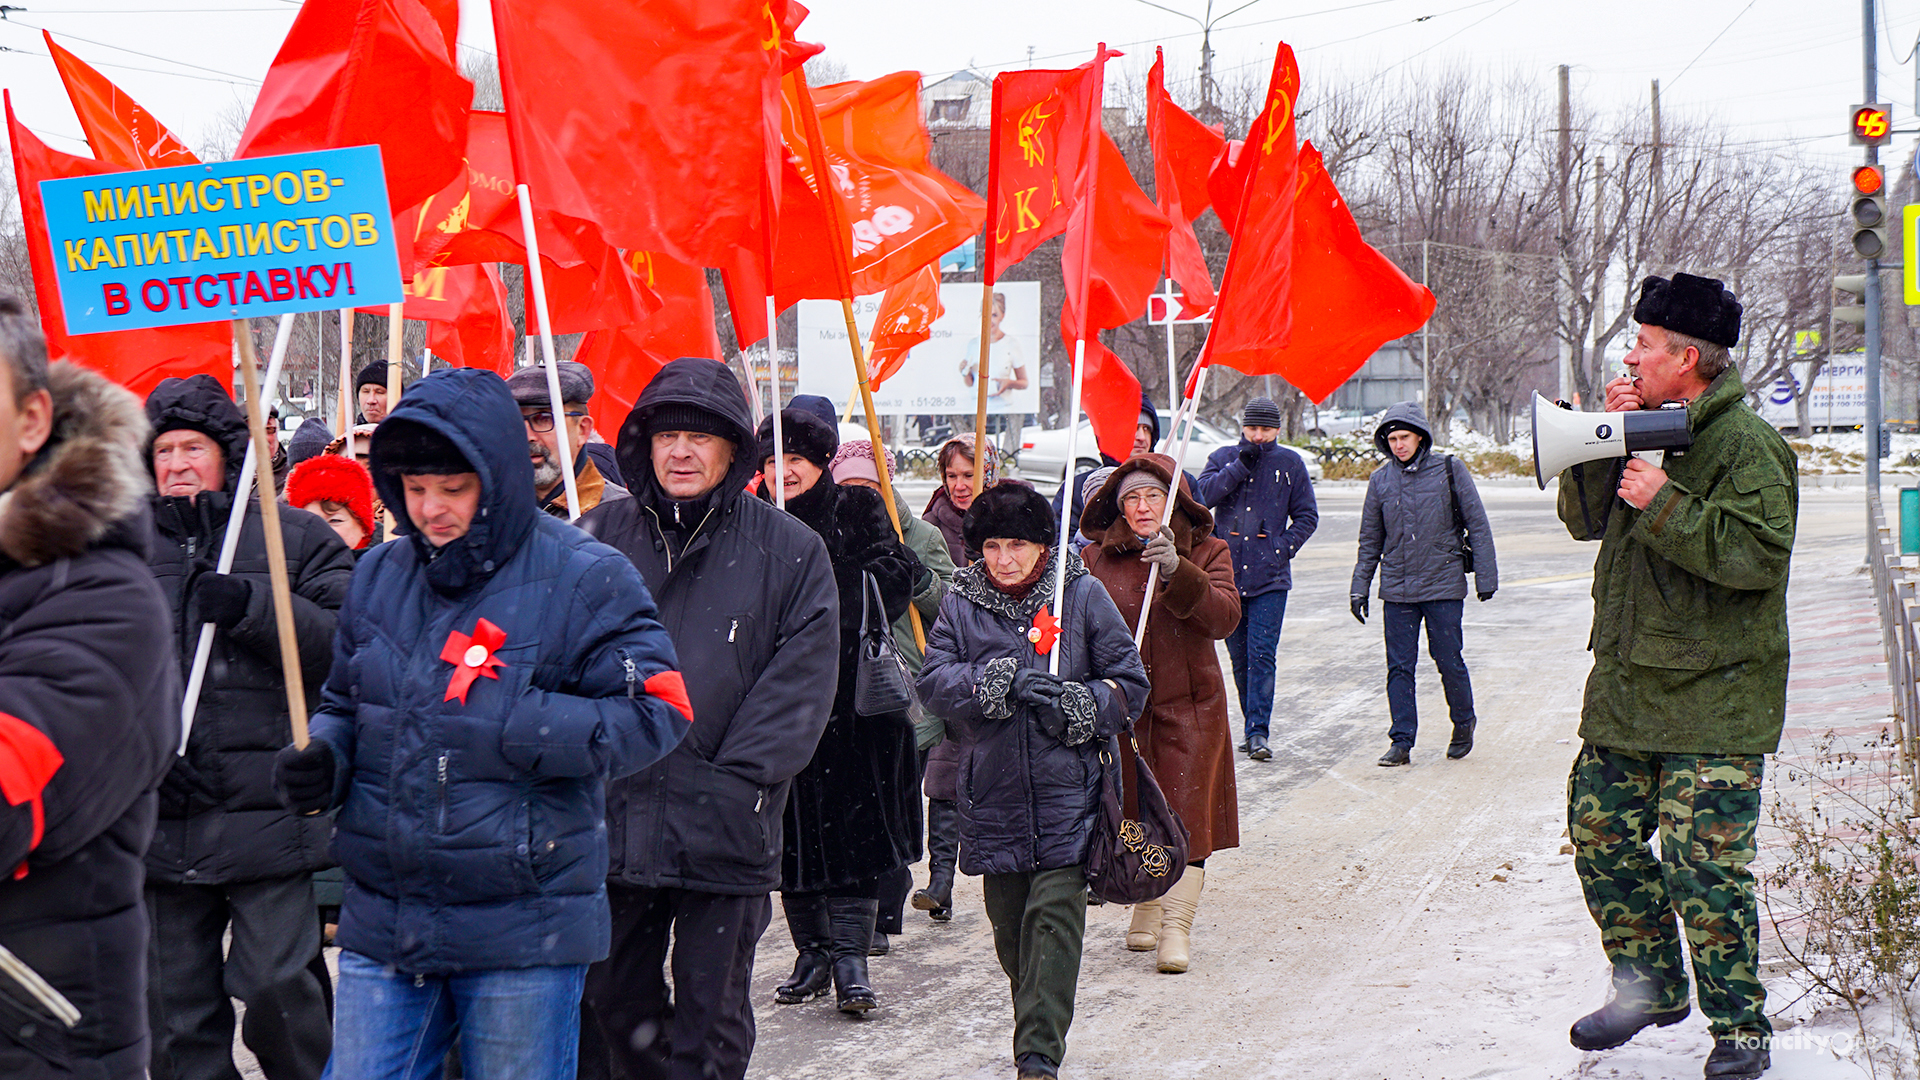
(1871, 299)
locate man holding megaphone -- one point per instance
(1688, 690)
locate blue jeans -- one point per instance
(1403, 655)
(512, 1024)
(1254, 646)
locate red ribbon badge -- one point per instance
(472, 657)
(1044, 631)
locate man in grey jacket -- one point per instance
(1410, 529)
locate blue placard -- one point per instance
(223, 240)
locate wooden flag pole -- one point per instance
(1063, 541)
(980, 383)
(230, 542)
(276, 545)
(396, 329)
(882, 458)
(538, 279)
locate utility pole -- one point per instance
(1599, 267)
(1659, 155)
(1869, 60)
(1566, 231)
(1566, 144)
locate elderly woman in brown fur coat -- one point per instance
(1184, 735)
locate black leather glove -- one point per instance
(1053, 720)
(183, 791)
(221, 599)
(1486, 596)
(1358, 604)
(1034, 686)
(303, 778)
(1249, 452)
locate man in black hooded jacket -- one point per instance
(89, 711)
(747, 593)
(226, 853)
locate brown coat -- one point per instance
(1184, 735)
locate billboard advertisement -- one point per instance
(938, 376)
(1836, 399)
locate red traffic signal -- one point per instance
(1872, 125)
(1869, 179)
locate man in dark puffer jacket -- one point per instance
(495, 668)
(226, 853)
(89, 711)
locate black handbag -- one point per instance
(1132, 861)
(881, 683)
(1459, 521)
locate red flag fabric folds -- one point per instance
(902, 212)
(905, 319)
(1183, 149)
(136, 359)
(465, 308)
(1253, 317)
(625, 359)
(1038, 140)
(118, 130)
(1348, 299)
(353, 72)
(651, 119)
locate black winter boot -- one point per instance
(943, 852)
(853, 918)
(812, 931)
(1740, 1055)
(1615, 1022)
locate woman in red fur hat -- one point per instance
(339, 490)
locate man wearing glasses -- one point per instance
(529, 386)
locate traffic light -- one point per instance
(1853, 309)
(1872, 126)
(1868, 208)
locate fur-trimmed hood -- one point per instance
(89, 482)
(1103, 507)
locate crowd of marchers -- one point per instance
(557, 769)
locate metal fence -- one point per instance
(1894, 592)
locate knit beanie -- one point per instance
(804, 434)
(1137, 479)
(854, 461)
(410, 448)
(1261, 412)
(679, 416)
(310, 439)
(374, 374)
(329, 478)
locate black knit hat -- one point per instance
(680, 416)
(1695, 306)
(1009, 511)
(410, 448)
(374, 374)
(803, 433)
(1261, 412)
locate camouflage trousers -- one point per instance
(1705, 808)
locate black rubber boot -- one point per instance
(853, 918)
(1615, 1022)
(808, 922)
(943, 852)
(1742, 1055)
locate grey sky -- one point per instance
(1782, 72)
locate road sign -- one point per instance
(222, 240)
(1159, 304)
(1910, 250)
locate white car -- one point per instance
(1043, 453)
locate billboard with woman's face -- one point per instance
(940, 375)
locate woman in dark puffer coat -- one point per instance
(1031, 747)
(854, 814)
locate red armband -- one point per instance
(669, 687)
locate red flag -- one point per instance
(1128, 234)
(136, 359)
(1038, 139)
(1254, 315)
(625, 359)
(1348, 299)
(901, 211)
(804, 255)
(480, 335)
(1183, 149)
(118, 130)
(595, 295)
(353, 72)
(651, 119)
(905, 319)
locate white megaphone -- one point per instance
(1562, 437)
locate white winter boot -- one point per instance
(1144, 934)
(1176, 919)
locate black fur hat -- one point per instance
(804, 434)
(1695, 306)
(1009, 511)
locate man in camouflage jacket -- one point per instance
(1688, 689)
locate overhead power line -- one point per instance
(136, 52)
